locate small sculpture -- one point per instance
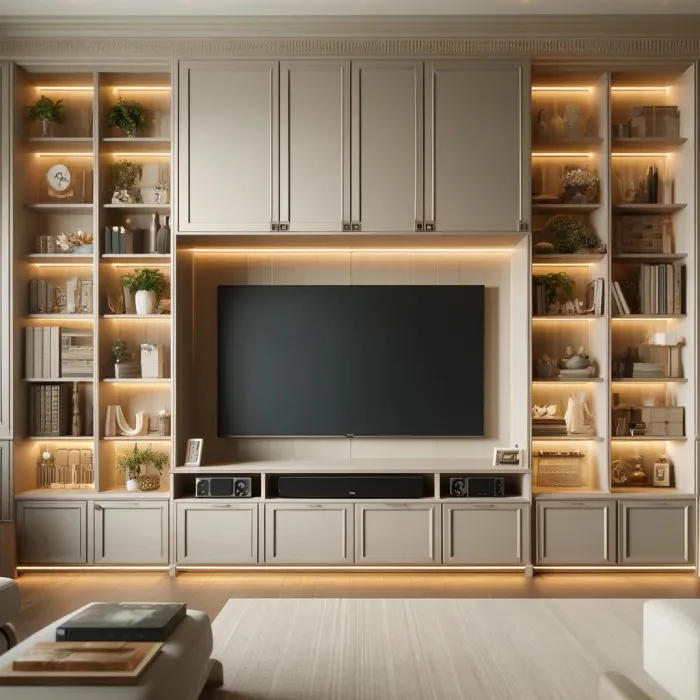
(544, 368)
(575, 360)
(578, 417)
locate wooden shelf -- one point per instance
(135, 257)
(60, 317)
(61, 438)
(565, 259)
(647, 438)
(567, 493)
(141, 317)
(650, 380)
(567, 317)
(652, 145)
(140, 438)
(558, 380)
(648, 257)
(61, 139)
(137, 139)
(648, 208)
(157, 145)
(567, 438)
(659, 492)
(60, 380)
(61, 207)
(586, 143)
(83, 145)
(648, 317)
(559, 207)
(137, 380)
(146, 208)
(62, 258)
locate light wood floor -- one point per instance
(48, 596)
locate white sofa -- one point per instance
(9, 609)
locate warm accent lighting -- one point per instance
(556, 88)
(566, 317)
(64, 88)
(640, 155)
(74, 264)
(92, 568)
(554, 567)
(64, 155)
(398, 569)
(139, 264)
(562, 155)
(631, 88)
(332, 251)
(141, 88)
(137, 317)
(141, 155)
(562, 264)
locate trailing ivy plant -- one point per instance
(128, 115)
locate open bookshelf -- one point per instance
(635, 131)
(87, 148)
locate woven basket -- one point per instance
(148, 482)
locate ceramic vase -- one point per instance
(146, 302)
(132, 485)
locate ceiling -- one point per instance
(170, 8)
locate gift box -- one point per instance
(151, 361)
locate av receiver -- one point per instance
(223, 487)
(350, 486)
(477, 486)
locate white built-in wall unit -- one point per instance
(381, 161)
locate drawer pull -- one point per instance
(222, 505)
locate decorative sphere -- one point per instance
(46, 455)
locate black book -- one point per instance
(123, 622)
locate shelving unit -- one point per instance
(89, 148)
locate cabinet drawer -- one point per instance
(217, 533)
(131, 532)
(397, 533)
(52, 532)
(308, 533)
(485, 534)
(576, 532)
(653, 532)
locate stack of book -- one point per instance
(52, 353)
(46, 298)
(661, 291)
(121, 241)
(548, 427)
(594, 296)
(648, 370)
(50, 409)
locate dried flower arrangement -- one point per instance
(68, 241)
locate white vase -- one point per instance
(132, 485)
(146, 302)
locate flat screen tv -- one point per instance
(351, 361)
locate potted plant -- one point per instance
(124, 173)
(148, 285)
(558, 286)
(47, 112)
(128, 116)
(580, 186)
(572, 236)
(122, 357)
(132, 463)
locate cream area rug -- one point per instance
(418, 649)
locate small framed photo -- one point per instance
(662, 474)
(507, 457)
(193, 456)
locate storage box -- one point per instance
(151, 361)
(561, 469)
(661, 421)
(642, 234)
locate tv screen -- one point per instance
(351, 360)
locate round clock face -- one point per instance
(58, 177)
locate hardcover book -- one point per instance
(123, 622)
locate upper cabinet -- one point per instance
(387, 145)
(314, 145)
(474, 177)
(228, 145)
(330, 145)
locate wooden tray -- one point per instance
(66, 663)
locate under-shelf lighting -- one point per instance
(640, 88)
(640, 155)
(140, 263)
(561, 155)
(137, 317)
(141, 88)
(563, 264)
(563, 88)
(64, 88)
(566, 317)
(91, 568)
(66, 264)
(334, 251)
(162, 154)
(64, 155)
(606, 569)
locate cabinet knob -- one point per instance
(98, 507)
(345, 226)
(357, 227)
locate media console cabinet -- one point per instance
(358, 160)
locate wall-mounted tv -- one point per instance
(351, 361)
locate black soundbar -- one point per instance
(350, 486)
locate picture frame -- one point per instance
(662, 474)
(193, 453)
(507, 457)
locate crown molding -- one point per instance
(111, 38)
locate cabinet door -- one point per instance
(217, 533)
(228, 145)
(397, 533)
(5, 481)
(653, 532)
(6, 339)
(474, 157)
(485, 534)
(576, 532)
(315, 144)
(387, 145)
(308, 533)
(131, 532)
(52, 532)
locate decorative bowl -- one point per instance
(148, 482)
(575, 362)
(87, 249)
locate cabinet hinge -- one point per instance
(419, 226)
(345, 225)
(522, 226)
(357, 227)
(429, 225)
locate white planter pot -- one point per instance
(146, 302)
(132, 485)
